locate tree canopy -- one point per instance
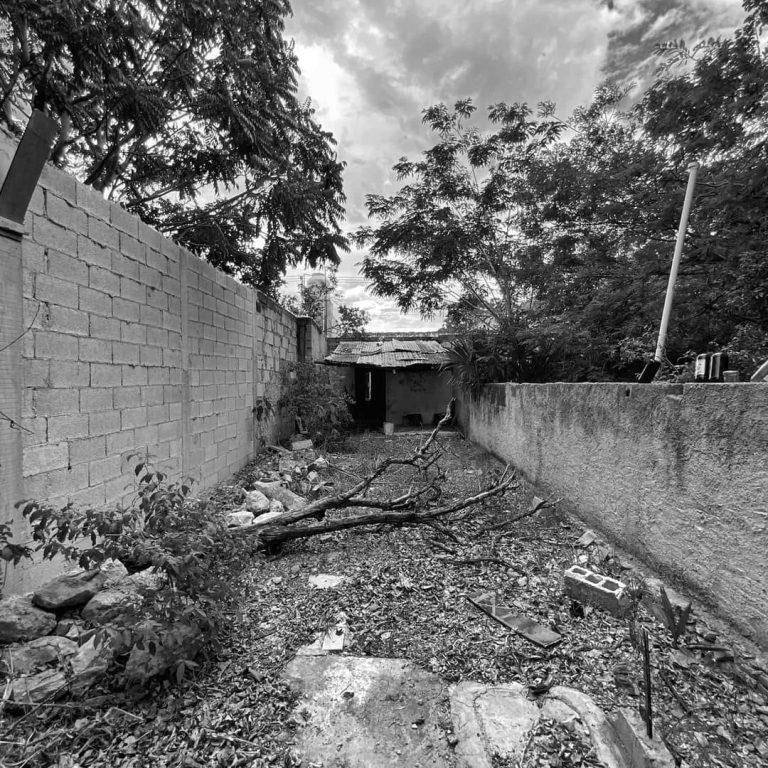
(556, 237)
(187, 113)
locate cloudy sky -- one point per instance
(372, 66)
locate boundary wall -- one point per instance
(675, 474)
(129, 344)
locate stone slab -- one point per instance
(497, 720)
(368, 712)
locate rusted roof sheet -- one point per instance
(391, 353)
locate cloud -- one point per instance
(371, 67)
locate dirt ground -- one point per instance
(404, 595)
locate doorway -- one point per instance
(370, 396)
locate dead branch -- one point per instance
(418, 505)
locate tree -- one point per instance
(187, 114)
(352, 322)
(448, 239)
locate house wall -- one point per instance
(425, 392)
(134, 346)
(675, 474)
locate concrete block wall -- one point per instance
(675, 474)
(135, 346)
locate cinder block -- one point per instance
(93, 254)
(105, 328)
(36, 432)
(60, 183)
(51, 235)
(158, 375)
(124, 266)
(95, 302)
(92, 202)
(150, 316)
(122, 220)
(121, 442)
(122, 352)
(152, 395)
(56, 402)
(157, 299)
(65, 374)
(127, 397)
(54, 291)
(103, 279)
(133, 290)
(67, 267)
(126, 310)
(132, 248)
(133, 375)
(55, 346)
(103, 375)
(157, 414)
(131, 418)
(103, 470)
(44, 458)
(68, 320)
(94, 400)
(88, 449)
(37, 373)
(94, 351)
(133, 332)
(152, 355)
(598, 590)
(61, 212)
(151, 237)
(103, 423)
(103, 233)
(63, 428)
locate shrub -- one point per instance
(322, 405)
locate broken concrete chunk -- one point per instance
(69, 591)
(241, 517)
(268, 517)
(111, 604)
(642, 751)
(256, 502)
(34, 656)
(290, 500)
(36, 688)
(335, 639)
(301, 445)
(525, 627)
(325, 580)
(319, 463)
(587, 538)
(114, 572)
(595, 589)
(20, 620)
(90, 664)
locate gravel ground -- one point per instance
(404, 595)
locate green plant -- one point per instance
(675, 620)
(322, 405)
(183, 539)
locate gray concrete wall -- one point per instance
(424, 392)
(675, 474)
(134, 345)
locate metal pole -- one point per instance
(693, 170)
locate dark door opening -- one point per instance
(370, 396)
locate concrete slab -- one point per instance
(497, 720)
(325, 580)
(368, 712)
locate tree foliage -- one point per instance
(556, 238)
(187, 113)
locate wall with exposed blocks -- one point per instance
(134, 346)
(675, 474)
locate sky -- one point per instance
(371, 66)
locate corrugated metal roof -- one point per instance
(391, 353)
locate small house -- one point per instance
(394, 380)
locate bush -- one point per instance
(181, 538)
(322, 404)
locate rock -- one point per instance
(114, 571)
(69, 591)
(325, 580)
(268, 517)
(276, 507)
(90, 664)
(147, 582)
(241, 517)
(301, 445)
(652, 601)
(319, 463)
(36, 688)
(111, 604)
(72, 629)
(142, 664)
(256, 501)
(27, 658)
(20, 620)
(277, 492)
